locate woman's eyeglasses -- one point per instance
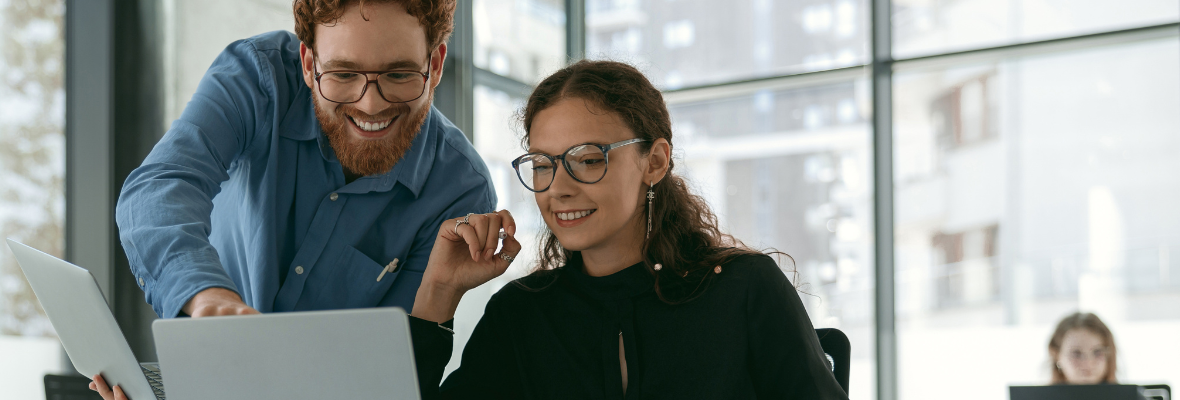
(586, 163)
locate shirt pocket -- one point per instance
(355, 277)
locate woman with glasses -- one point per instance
(638, 294)
(1082, 351)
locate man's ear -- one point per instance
(436, 65)
(659, 159)
(308, 58)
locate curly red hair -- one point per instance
(436, 16)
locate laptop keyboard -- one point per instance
(152, 372)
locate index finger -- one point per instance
(508, 222)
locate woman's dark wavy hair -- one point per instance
(685, 238)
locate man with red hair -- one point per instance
(304, 167)
(308, 172)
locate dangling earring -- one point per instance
(650, 195)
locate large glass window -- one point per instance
(197, 31)
(696, 42)
(497, 138)
(1028, 188)
(521, 39)
(788, 169)
(520, 43)
(932, 26)
(32, 184)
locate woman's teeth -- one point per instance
(371, 126)
(569, 216)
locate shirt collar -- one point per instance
(411, 171)
(630, 282)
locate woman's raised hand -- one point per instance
(464, 256)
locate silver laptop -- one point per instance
(310, 355)
(346, 354)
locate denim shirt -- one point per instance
(244, 192)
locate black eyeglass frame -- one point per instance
(425, 81)
(606, 148)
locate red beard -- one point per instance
(371, 157)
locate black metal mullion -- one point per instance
(502, 83)
(884, 301)
(89, 137)
(453, 96)
(1039, 43)
(575, 30)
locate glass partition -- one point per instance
(32, 184)
(1028, 188)
(697, 42)
(922, 27)
(789, 169)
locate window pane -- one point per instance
(694, 42)
(497, 139)
(1027, 189)
(520, 39)
(922, 26)
(32, 184)
(197, 31)
(790, 170)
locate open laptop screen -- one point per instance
(1076, 392)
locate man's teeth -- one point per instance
(372, 126)
(569, 216)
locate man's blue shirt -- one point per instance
(245, 193)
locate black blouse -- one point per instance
(746, 336)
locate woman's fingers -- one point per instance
(511, 249)
(480, 223)
(492, 235)
(468, 235)
(507, 222)
(119, 395)
(481, 232)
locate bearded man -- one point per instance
(308, 172)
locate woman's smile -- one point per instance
(572, 218)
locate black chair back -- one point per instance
(60, 387)
(839, 351)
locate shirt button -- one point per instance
(299, 270)
(140, 282)
(334, 196)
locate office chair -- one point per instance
(839, 352)
(60, 387)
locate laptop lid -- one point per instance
(78, 311)
(1075, 392)
(344, 354)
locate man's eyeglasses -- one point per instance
(586, 163)
(395, 86)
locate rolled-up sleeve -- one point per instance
(163, 212)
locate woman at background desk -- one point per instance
(1082, 351)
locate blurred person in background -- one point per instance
(1082, 351)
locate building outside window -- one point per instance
(32, 183)
(1032, 140)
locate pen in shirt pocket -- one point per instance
(391, 267)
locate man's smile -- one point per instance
(371, 129)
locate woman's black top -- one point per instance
(746, 336)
